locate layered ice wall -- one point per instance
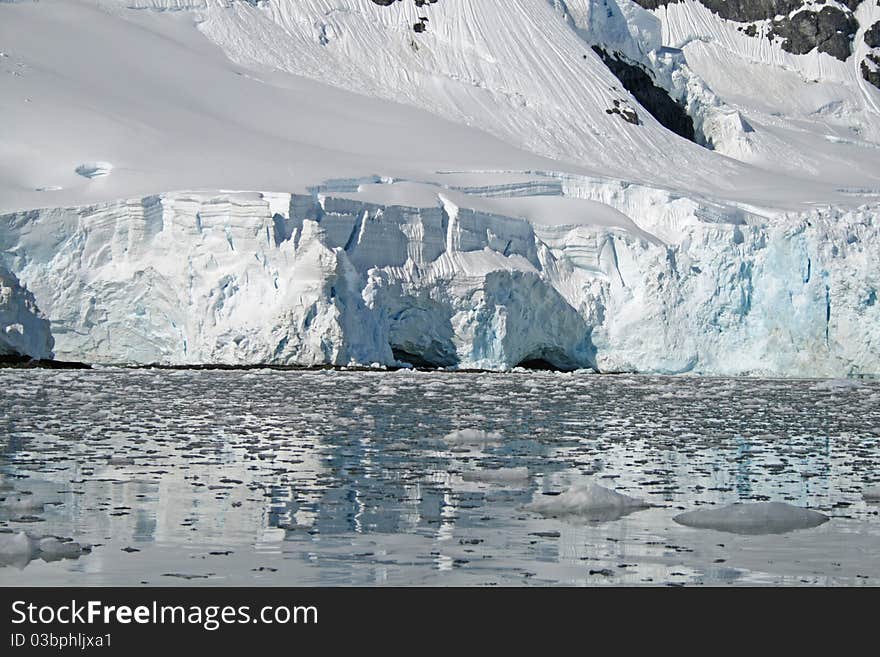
(23, 332)
(191, 279)
(489, 277)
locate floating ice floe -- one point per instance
(837, 385)
(16, 549)
(21, 503)
(754, 518)
(472, 437)
(498, 476)
(19, 549)
(589, 501)
(51, 548)
(871, 494)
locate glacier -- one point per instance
(316, 182)
(392, 272)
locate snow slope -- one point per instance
(464, 196)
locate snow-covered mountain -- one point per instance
(658, 186)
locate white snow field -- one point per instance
(308, 182)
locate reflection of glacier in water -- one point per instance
(323, 477)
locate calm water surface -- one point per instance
(328, 477)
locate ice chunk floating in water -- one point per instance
(16, 549)
(19, 549)
(871, 494)
(588, 501)
(21, 504)
(758, 518)
(499, 476)
(472, 437)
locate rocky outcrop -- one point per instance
(653, 98)
(871, 69)
(420, 25)
(737, 10)
(830, 30)
(870, 66)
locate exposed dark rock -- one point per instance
(871, 64)
(625, 112)
(743, 11)
(752, 10)
(746, 11)
(640, 84)
(831, 30)
(422, 24)
(871, 69)
(653, 4)
(872, 35)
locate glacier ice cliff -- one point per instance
(23, 331)
(546, 268)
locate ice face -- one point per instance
(431, 276)
(23, 331)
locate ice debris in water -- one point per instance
(472, 437)
(837, 385)
(498, 475)
(19, 549)
(51, 548)
(753, 518)
(591, 501)
(871, 494)
(20, 503)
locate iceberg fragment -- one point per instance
(753, 518)
(589, 501)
